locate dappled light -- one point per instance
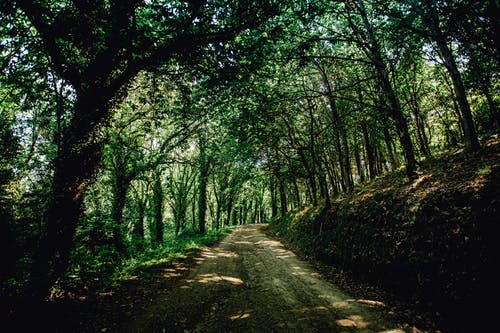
(269, 243)
(269, 284)
(225, 254)
(309, 310)
(339, 304)
(243, 242)
(353, 321)
(171, 272)
(207, 278)
(240, 316)
(226, 166)
(367, 302)
(251, 281)
(420, 180)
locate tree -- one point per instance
(369, 43)
(180, 182)
(157, 203)
(226, 111)
(432, 24)
(204, 165)
(98, 49)
(9, 147)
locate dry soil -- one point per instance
(251, 283)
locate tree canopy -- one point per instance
(123, 122)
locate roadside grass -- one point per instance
(429, 240)
(102, 268)
(175, 248)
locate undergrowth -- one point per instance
(430, 239)
(98, 268)
(175, 248)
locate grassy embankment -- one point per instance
(429, 240)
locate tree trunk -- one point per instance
(298, 200)
(120, 187)
(340, 136)
(246, 211)
(255, 211)
(274, 201)
(217, 217)
(311, 176)
(177, 222)
(330, 172)
(359, 168)
(492, 107)
(388, 145)
(193, 213)
(370, 158)
(8, 245)
(158, 210)
(138, 228)
(381, 162)
(421, 136)
(470, 136)
(218, 203)
(401, 124)
(369, 151)
(229, 210)
(283, 203)
(395, 112)
(234, 216)
(432, 20)
(346, 160)
(75, 163)
(8, 155)
(202, 190)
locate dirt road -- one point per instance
(251, 283)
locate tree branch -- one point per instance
(40, 17)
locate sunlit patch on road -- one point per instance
(207, 278)
(252, 283)
(367, 302)
(353, 321)
(240, 316)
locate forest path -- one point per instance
(251, 283)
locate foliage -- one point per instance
(176, 248)
(124, 122)
(98, 269)
(428, 240)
